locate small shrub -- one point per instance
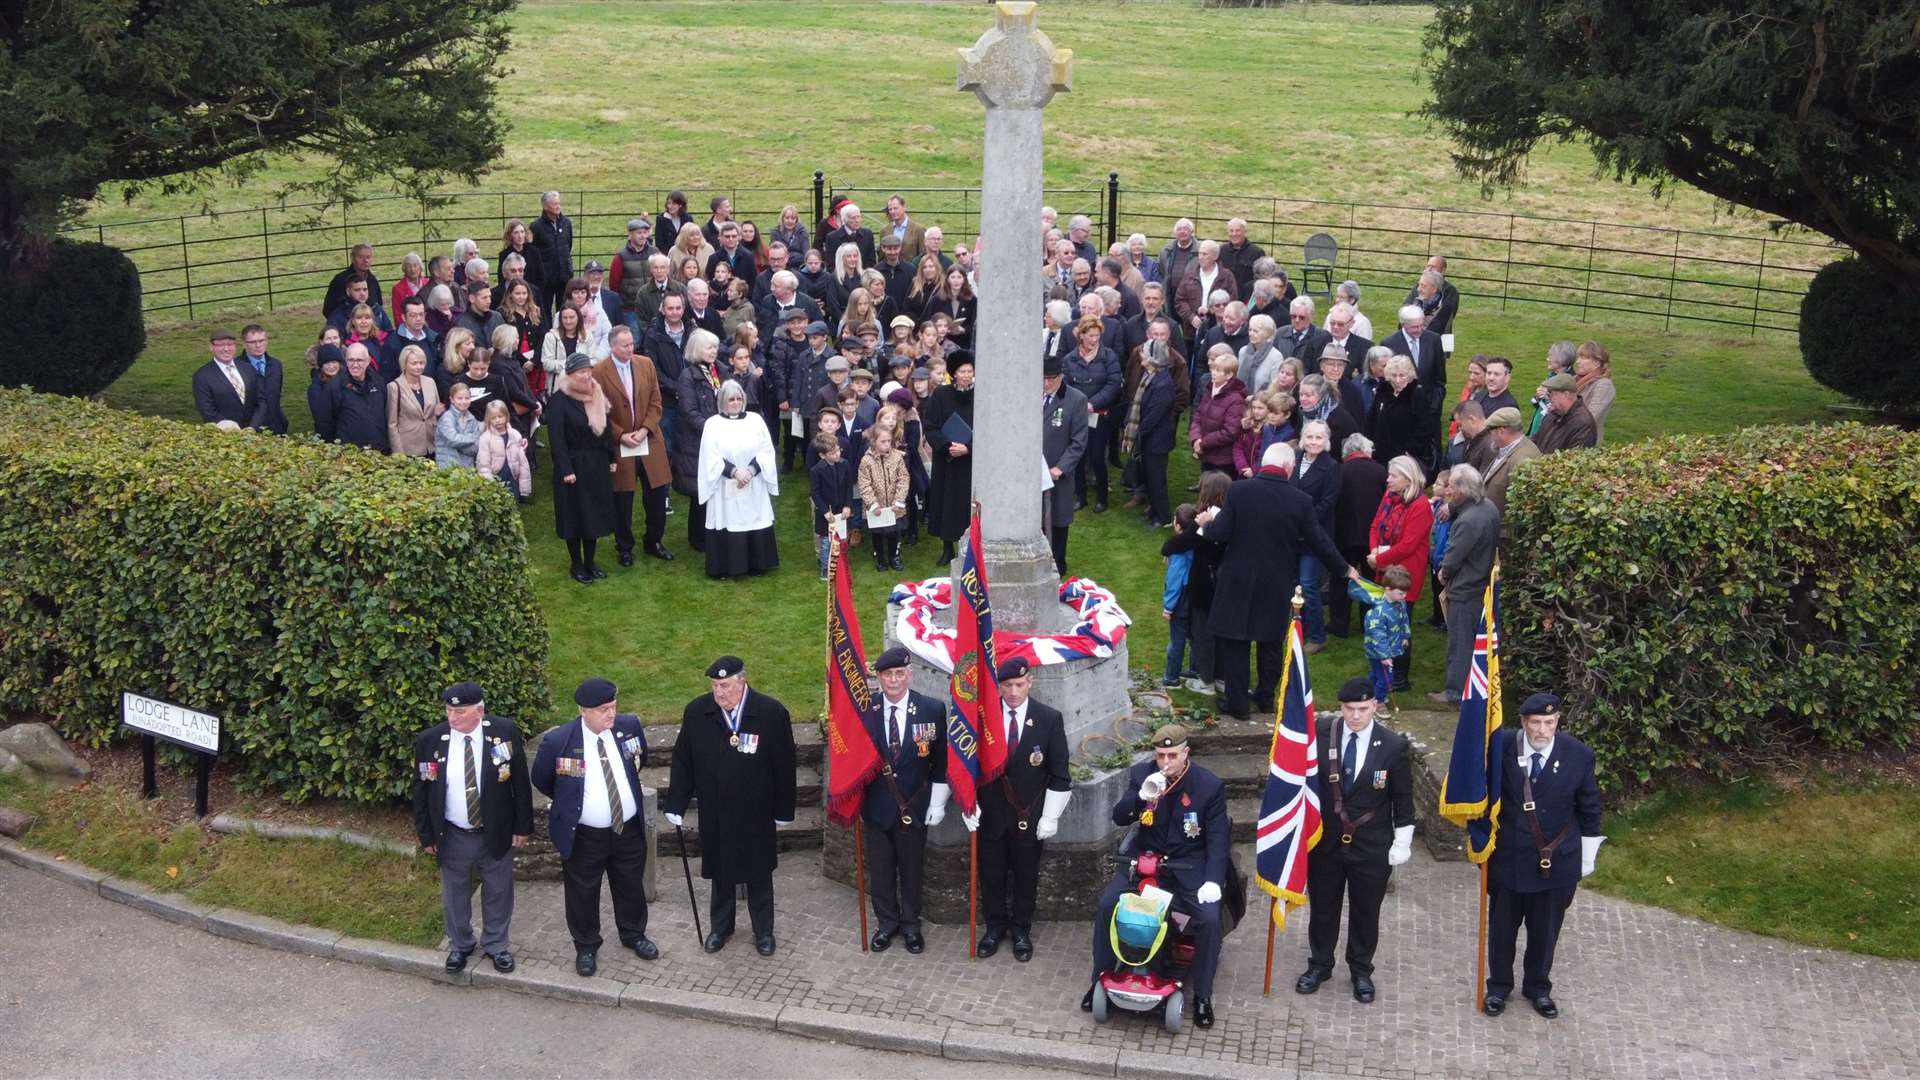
(1854, 335)
(74, 327)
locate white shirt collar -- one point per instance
(1359, 749)
(1527, 751)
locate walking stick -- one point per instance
(687, 868)
(860, 881)
(1267, 986)
(1480, 957)
(973, 892)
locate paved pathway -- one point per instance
(1643, 992)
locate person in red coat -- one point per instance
(1401, 530)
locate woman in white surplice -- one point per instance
(738, 481)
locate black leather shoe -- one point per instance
(457, 959)
(1022, 945)
(1080, 503)
(645, 949)
(988, 944)
(764, 945)
(880, 941)
(502, 962)
(1203, 1013)
(1100, 506)
(581, 576)
(715, 942)
(915, 943)
(1494, 1005)
(896, 564)
(1310, 980)
(1545, 1007)
(585, 963)
(1363, 989)
(626, 558)
(1086, 1003)
(595, 572)
(659, 551)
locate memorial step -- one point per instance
(802, 835)
(806, 792)
(808, 749)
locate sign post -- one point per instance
(196, 731)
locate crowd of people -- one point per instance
(709, 357)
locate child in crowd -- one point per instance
(829, 395)
(854, 422)
(881, 484)
(1388, 631)
(830, 485)
(502, 453)
(1178, 554)
(1437, 543)
(1283, 422)
(1246, 445)
(1206, 558)
(828, 421)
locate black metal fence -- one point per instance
(266, 258)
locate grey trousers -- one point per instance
(1463, 622)
(462, 854)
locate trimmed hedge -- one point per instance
(1854, 335)
(1703, 603)
(75, 326)
(316, 597)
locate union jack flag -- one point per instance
(1470, 792)
(1290, 810)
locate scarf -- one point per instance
(594, 402)
(1131, 431)
(1273, 470)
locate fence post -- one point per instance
(1506, 270)
(819, 210)
(1673, 272)
(1113, 208)
(1586, 291)
(186, 266)
(266, 255)
(1759, 282)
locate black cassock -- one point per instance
(950, 490)
(741, 794)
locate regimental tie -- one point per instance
(1346, 758)
(1533, 774)
(473, 785)
(614, 808)
(893, 729)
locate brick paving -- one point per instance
(1642, 992)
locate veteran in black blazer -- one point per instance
(1546, 840)
(590, 768)
(910, 731)
(272, 374)
(1021, 811)
(472, 805)
(1365, 786)
(214, 392)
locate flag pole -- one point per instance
(973, 892)
(859, 843)
(1480, 955)
(833, 567)
(1266, 987)
(860, 880)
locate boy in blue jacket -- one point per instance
(1178, 553)
(1387, 629)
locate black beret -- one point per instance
(1541, 704)
(461, 693)
(593, 693)
(725, 668)
(1015, 668)
(329, 354)
(1356, 689)
(1050, 366)
(896, 657)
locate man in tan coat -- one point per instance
(1511, 449)
(632, 387)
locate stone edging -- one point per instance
(956, 1042)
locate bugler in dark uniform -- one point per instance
(910, 730)
(735, 755)
(1020, 811)
(591, 770)
(471, 808)
(1365, 785)
(1546, 838)
(1182, 812)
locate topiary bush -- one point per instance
(1855, 335)
(315, 597)
(1703, 603)
(75, 326)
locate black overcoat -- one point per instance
(1262, 529)
(741, 794)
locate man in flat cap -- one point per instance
(1020, 811)
(1511, 449)
(734, 754)
(1365, 787)
(1568, 425)
(904, 801)
(1546, 838)
(1181, 810)
(591, 770)
(471, 807)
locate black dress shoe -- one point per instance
(1086, 1003)
(1310, 980)
(896, 564)
(625, 558)
(1022, 945)
(1100, 506)
(1203, 1013)
(1363, 989)
(596, 573)
(880, 941)
(1494, 1005)
(1080, 503)
(645, 949)
(659, 551)
(715, 942)
(502, 962)
(915, 943)
(457, 959)
(580, 575)
(585, 963)
(1545, 1007)
(764, 945)
(988, 944)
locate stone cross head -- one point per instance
(1013, 65)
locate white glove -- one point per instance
(1154, 786)
(971, 821)
(676, 820)
(1050, 814)
(778, 824)
(937, 807)
(1589, 849)
(1208, 893)
(1402, 848)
